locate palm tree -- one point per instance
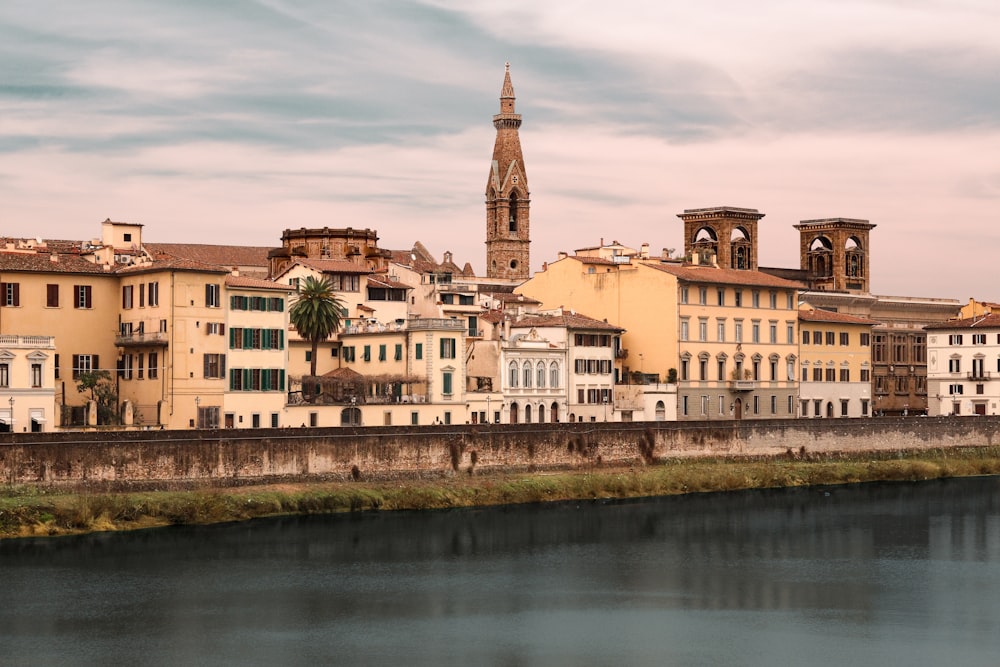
(316, 313)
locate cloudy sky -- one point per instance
(227, 122)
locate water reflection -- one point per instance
(801, 576)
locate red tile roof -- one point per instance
(222, 255)
(981, 322)
(30, 262)
(331, 265)
(166, 263)
(567, 319)
(819, 315)
(693, 273)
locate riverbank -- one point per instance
(27, 511)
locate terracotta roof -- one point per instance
(509, 297)
(380, 281)
(256, 283)
(223, 255)
(167, 263)
(981, 322)
(30, 262)
(819, 315)
(567, 319)
(711, 274)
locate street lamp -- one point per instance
(489, 415)
(11, 401)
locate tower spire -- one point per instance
(507, 196)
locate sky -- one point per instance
(230, 121)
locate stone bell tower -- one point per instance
(834, 253)
(507, 197)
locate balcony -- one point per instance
(155, 339)
(13, 340)
(978, 376)
(743, 385)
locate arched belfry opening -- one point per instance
(834, 253)
(727, 233)
(740, 248)
(508, 202)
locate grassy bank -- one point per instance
(32, 511)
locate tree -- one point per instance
(316, 313)
(102, 392)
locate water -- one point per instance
(868, 575)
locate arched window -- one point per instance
(554, 375)
(512, 374)
(541, 413)
(661, 411)
(513, 413)
(540, 374)
(527, 378)
(554, 412)
(527, 413)
(513, 213)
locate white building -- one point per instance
(963, 366)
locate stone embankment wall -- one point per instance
(164, 458)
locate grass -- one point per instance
(33, 511)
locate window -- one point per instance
(955, 389)
(774, 404)
(703, 296)
(721, 334)
(83, 296)
(214, 366)
(208, 417)
(526, 373)
(955, 339)
(790, 304)
(738, 331)
(866, 339)
(831, 338)
(127, 293)
(843, 407)
(755, 298)
(347, 352)
(685, 366)
(738, 298)
(702, 329)
(52, 296)
(684, 329)
(447, 348)
(830, 374)
(512, 374)
(805, 337)
(540, 374)
(703, 369)
(398, 352)
(215, 328)
(446, 382)
(955, 365)
(845, 338)
(142, 295)
(154, 365)
(721, 292)
(154, 294)
(140, 370)
(4, 375)
(366, 353)
(36, 375)
(817, 374)
(774, 370)
(213, 295)
(418, 351)
(773, 300)
(721, 368)
(979, 339)
(125, 367)
(866, 375)
(845, 374)
(554, 375)
(756, 404)
(773, 332)
(755, 331)
(790, 333)
(10, 294)
(382, 352)
(684, 406)
(684, 294)
(84, 363)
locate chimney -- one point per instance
(644, 251)
(562, 255)
(54, 257)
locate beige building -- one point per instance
(726, 338)
(835, 358)
(963, 366)
(27, 383)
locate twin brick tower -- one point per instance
(834, 253)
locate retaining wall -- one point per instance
(243, 456)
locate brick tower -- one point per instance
(507, 196)
(723, 234)
(834, 253)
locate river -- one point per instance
(876, 574)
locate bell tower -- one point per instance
(507, 197)
(834, 253)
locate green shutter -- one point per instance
(265, 339)
(232, 338)
(281, 379)
(419, 352)
(247, 380)
(247, 338)
(265, 380)
(281, 339)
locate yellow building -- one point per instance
(835, 358)
(726, 337)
